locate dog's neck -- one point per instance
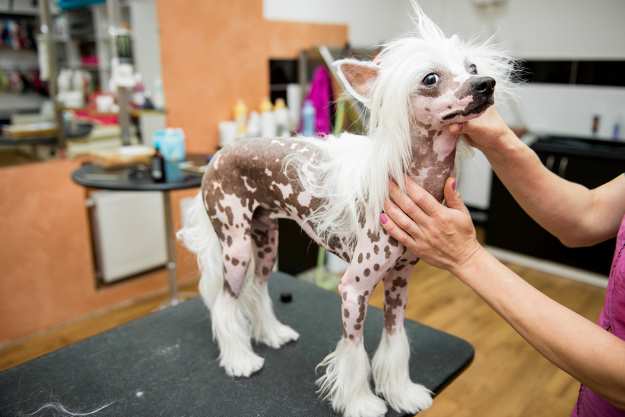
(433, 154)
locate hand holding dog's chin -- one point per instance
(488, 132)
(441, 236)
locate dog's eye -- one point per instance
(430, 79)
(472, 69)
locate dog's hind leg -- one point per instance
(230, 326)
(390, 365)
(266, 328)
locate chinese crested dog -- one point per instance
(335, 188)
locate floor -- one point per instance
(507, 378)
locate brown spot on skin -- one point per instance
(351, 336)
(392, 241)
(368, 255)
(360, 258)
(387, 252)
(266, 270)
(229, 240)
(267, 249)
(344, 295)
(229, 215)
(376, 267)
(374, 237)
(227, 257)
(376, 249)
(346, 313)
(367, 272)
(357, 278)
(261, 254)
(357, 326)
(235, 261)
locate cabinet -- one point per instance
(584, 161)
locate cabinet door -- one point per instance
(509, 227)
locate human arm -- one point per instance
(571, 212)
(445, 237)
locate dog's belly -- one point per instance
(251, 175)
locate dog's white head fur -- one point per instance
(417, 83)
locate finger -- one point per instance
(452, 197)
(401, 219)
(394, 230)
(422, 198)
(407, 205)
(456, 128)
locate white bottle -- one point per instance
(267, 120)
(281, 115)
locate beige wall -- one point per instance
(215, 52)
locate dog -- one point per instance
(335, 189)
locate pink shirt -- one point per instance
(612, 319)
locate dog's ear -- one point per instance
(358, 77)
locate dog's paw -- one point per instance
(278, 335)
(366, 405)
(242, 364)
(408, 397)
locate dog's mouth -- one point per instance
(471, 109)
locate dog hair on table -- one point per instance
(334, 188)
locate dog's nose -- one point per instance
(484, 85)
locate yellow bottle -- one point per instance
(240, 118)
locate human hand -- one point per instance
(442, 236)
(484, 132)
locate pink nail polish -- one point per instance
(383, 218)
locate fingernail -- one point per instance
(383, 218)
(453, 184)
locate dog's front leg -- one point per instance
(390, 363)
(347, 369)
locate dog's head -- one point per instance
(427, 79)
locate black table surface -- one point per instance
(165, 364)
(131, 179)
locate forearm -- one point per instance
(558, 205)
(584, 350)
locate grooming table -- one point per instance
(165, 364)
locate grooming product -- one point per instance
(596, 120)
(173, 149)
(616, 129)
(294, 103)
(308, 119)
(227, 133)
(253, 125)
(281, 115)
(240, 118)
(267, 120)
(157, 168)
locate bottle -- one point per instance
(240, 118)
(281, 116)
(157, 168)
(267, 121)
(308, 119)
(595, 125)
(616, 129)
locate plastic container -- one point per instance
(281, 116)
(267, 120)
(308, 119)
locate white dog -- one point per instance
(335, 188)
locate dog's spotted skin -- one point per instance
(247, 188)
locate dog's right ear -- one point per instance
(357, 77)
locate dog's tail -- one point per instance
(198, 236)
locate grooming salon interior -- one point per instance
(201, 201)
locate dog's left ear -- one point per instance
(358, 77)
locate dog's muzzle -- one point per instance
(482, 89)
